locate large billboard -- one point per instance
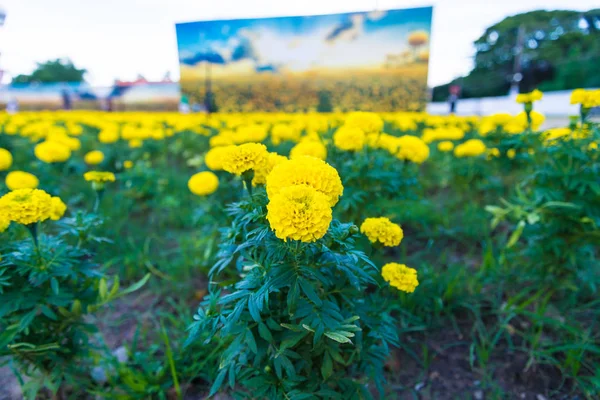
(375, 60)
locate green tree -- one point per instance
(559, 51)
(59, 70)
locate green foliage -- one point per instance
(556, 209)
(558, 54)
(304, 320)
(53, 71)
(48, 286)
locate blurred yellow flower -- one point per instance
(261, 173)
(445, 146)
(214, 157)
(21, 180)
(127, 164)
(309, 147)
(58, 209)
(99, 176)
(412, 148)
(94, 157)
(400, 276)
(470, 148)
(52, 151)
(349, 138)
(524, 98)
(382, 230)
(6, 159)
(203, 183)
(244, 157)
(367, 122)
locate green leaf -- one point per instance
(218, 381)
(264, 332)
(308, 290)
(514, 237)
(251, 342)
(103, 289)
(54, 285)
(337, 337)
(326, 366)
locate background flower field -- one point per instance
(458, 256)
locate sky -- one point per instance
(299, 44)
(123, 38)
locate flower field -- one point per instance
(300, 256)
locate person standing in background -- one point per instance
(453, 97)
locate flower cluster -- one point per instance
(470, 148)
(99, 176)
(525, 98)
(308, 171)
(400, 276)
(382, 230)
(586, 98)
(245, 157)
(27, 206)
(301, 193)
(299, 212)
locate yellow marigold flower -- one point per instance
(445, 146)
(108, 136)
(524, 98)
(127, 164)
(368, 122)
(556, 133)
(251, 134)
(245, 157)
(58, 209)
(578, 96)
(400, 276)
(26, 206)
(308, 147)
(52, 151)
(412, 148)
(6, 159)
(224, 138)
(214, 157)
(283, 132)
(299, 212)
(349, 138)
(470, 148)
(261, 173)
(4, 223)
(94, 157)
(305, 170)
(99, 176)
(203, 183)
(21, 180)
(511, 153)
(382, 230)
(135, 143)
